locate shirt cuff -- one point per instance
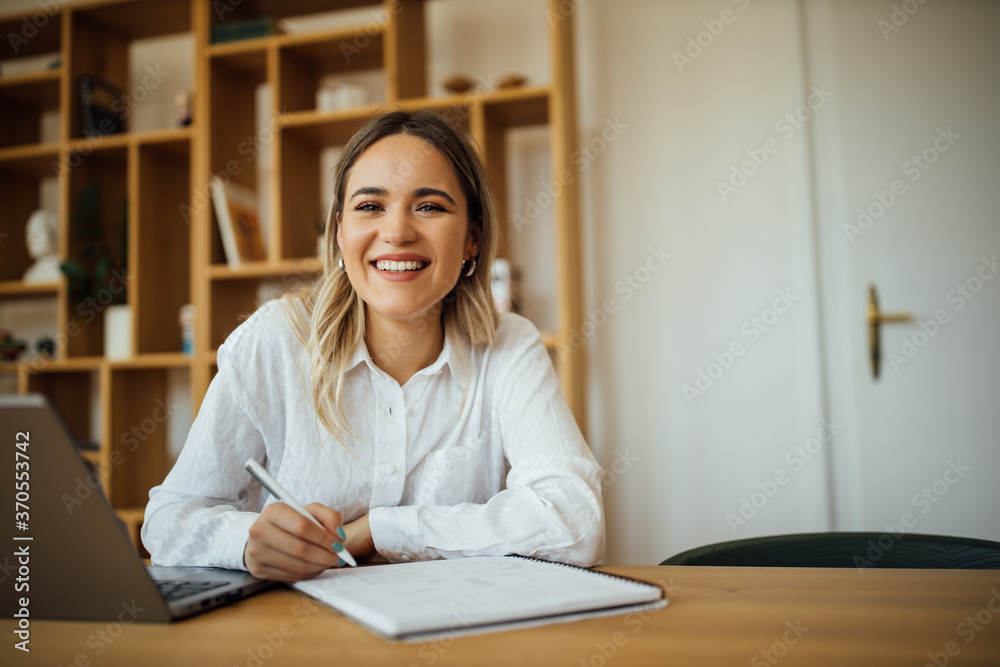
(396, 534)
(230, 542)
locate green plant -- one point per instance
(89, 273)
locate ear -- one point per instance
(339, 235)
(472, 242)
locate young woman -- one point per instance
(417, 421)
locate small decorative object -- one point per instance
(185, 318)
(502, 286)
(458, 83)
(98, 271)
(340, 95)
(46, 348)
(10, 347)
(182, 108)
(118, 332)
(41, 235)
(97, 99)
(512, 81)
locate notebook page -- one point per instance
(450, 594)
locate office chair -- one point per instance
(858, 550)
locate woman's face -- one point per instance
(404, 229)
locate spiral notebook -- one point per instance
(419, 601)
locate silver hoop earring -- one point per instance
(472, 269)
(340, 263)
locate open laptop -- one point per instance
(68, 554)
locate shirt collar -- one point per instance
(454, 355)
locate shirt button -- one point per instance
(405, 557)
(391, 469)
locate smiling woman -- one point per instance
(423, 423)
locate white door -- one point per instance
(907, 198)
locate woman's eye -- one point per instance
(430, 207)
(368, 206)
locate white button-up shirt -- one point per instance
(477, 454)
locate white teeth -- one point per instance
(389, 265)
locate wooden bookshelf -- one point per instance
(153, 184)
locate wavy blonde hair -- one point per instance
(329, 317)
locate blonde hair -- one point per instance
(330, 318)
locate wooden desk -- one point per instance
(716, 616)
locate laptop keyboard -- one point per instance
(176, 590)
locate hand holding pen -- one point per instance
(280, 548)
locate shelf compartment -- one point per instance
(137, 433)
(22, 171)
(134, 19)
(108, 169)
(70, 389)
(232, 302)
(23, 100)
(160, 243)
(304, 60)
(41, 33)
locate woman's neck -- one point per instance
(401, 347)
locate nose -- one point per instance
(397, 226)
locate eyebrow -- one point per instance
(371, 190)
(419, 192)
(427, 192)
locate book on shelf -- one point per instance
(231, 31)
(99, 100)
(423, 600)
(239, 223)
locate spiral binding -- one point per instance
(630, 580)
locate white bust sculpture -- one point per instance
(42, 240)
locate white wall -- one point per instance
(696, 457)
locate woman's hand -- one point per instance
(286, 546)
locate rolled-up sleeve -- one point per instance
(551, 506)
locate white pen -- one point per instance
(271, 484)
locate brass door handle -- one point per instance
(875, 320)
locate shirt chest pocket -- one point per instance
(458, 474)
